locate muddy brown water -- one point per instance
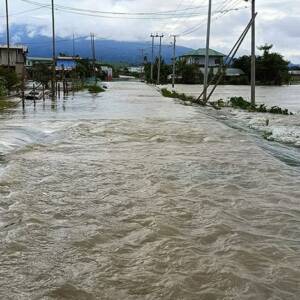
(128, 195)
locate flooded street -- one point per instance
(129, 195)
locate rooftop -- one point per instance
(24, 48)
(202, 52)
(68, 58)
(294, 72)
(39, 58)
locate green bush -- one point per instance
(6, 104)
(240, 102)
(167, 93)
(3, 90)
(95, 89)
(173, 94)
(278, 110)
(9, 77)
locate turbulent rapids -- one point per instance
(129, 195)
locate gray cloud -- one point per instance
(278, 22)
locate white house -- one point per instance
(197, 57)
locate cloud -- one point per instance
(278, 22)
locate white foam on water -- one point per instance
(279, 128)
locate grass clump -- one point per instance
(6, 104)
(279, 110)
(173, 94)
(94, 89)
(240, 102)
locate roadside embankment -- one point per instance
(274, 123)
(274, 127)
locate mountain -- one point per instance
(106, 50)
(294, 66)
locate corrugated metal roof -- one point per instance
(202, 52)
(294, 72)
(22, 47)
(39, 58)
(65, 64)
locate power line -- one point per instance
(25, 11)
(167, 12)
(215, 17)
(183, 13)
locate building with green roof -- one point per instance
(197, 57)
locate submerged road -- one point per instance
(128, 195)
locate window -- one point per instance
(217, 61)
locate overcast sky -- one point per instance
(278, 22)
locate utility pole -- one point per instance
(159, 59)
(73, 45)
(7, 36)
(93, 55)
(53, 83)
(207, 52)
(253, 57)
(152, 55)
(174, 60)
(142, 63)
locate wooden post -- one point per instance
(58, 89)
(253, 56)
(43, 92)
(23, 88)
(34, 100)
(53, 79)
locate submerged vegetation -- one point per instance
(6, 104)
(173, 94)
(240, 102)
(94, 89)
(235, 102)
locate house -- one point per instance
(197, 57)
(108, 72)
(138, 70)
(234, 72)
(17, 57)
(31, 61)
(66, 63)
(229, 72)
(295, 76)
(63, 63)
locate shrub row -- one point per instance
(240, 102)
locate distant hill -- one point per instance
(294, 66)
(106, 50)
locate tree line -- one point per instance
(271, 69)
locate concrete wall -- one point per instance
(213, 61)
(17, 59)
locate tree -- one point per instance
(84, 68)
(271, 68)
(243, 63)
(165, 70)
(3, 90)
(265, 48)
(41, 73)
(9, 77)
(190, 73)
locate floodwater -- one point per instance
(287, 96)
(128, 195)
